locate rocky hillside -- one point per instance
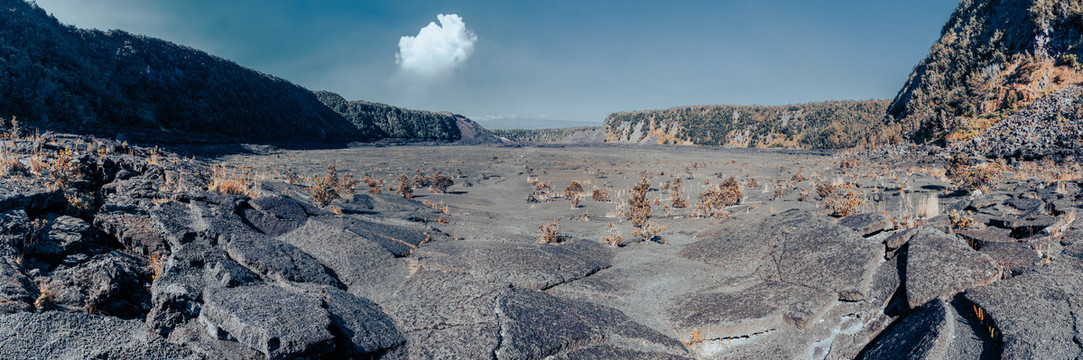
(830, 125)
(1048, 128)
(392, 122)
(61, 76)
(994, 58)
(578, 134)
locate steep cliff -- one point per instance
(994, 58)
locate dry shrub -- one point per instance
(404, 188)
(612, 236)
(10, 164)
(825, 190)
(374, 186)
(551, 233)
(322, 190)
(849, 163)
(752, 183)
(572, 190)
(540, 193)
(441, 182)
(798, 177)
(713, 202)
(983, 177)
(420, 180)
(843, 200)
(677, 196)
(64, 169)
(325, 189)
(960, 220)
(639, 207)
(600, 195)
(649, 232)
(232, 181)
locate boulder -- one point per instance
(399, 240)
(1037, 313)
(756, 309)
(1013, 256)
(360, 322)
(925, 333)
(274, 215)
(795, 249)
(278, 322)
(17, 293)
(867, 224)
(364, 266)
(114, 284)
(524, 264)
(32, 195)
(940, 265)
(979, 238)
(276, 260)
(136, 233)
(70, 233)
(177, 223)
(59, 335)
(228, 273)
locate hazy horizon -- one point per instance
(543, 65)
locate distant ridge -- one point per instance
(823, 125)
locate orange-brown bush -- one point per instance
(600, 195)
(676, 197)
(573, 189)
(713, 202)
(441, 182)
(404, 188)
(983, 177)
(612, 236)
(374, 186)
(639, 207)
(325, 189)
(649, 232)
(844, 200)
(551, 233)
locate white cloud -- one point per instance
(437, 49)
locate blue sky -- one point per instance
(538, 64)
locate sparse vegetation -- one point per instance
(600, 195)
(573, 190)
(404, 188)
(843, 200)
(551, 233)
(825, 125)
(233, 181)
(713, 202)
(983, 177)
(325, 189)
(959, 220)
(441, 182)
(612, 236)
(639, 207)
(541, 135)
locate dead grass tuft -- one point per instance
(233, 181)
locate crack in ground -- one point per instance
(589, 274)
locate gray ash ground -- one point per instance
(131, 256)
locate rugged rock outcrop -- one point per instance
(993, 58)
